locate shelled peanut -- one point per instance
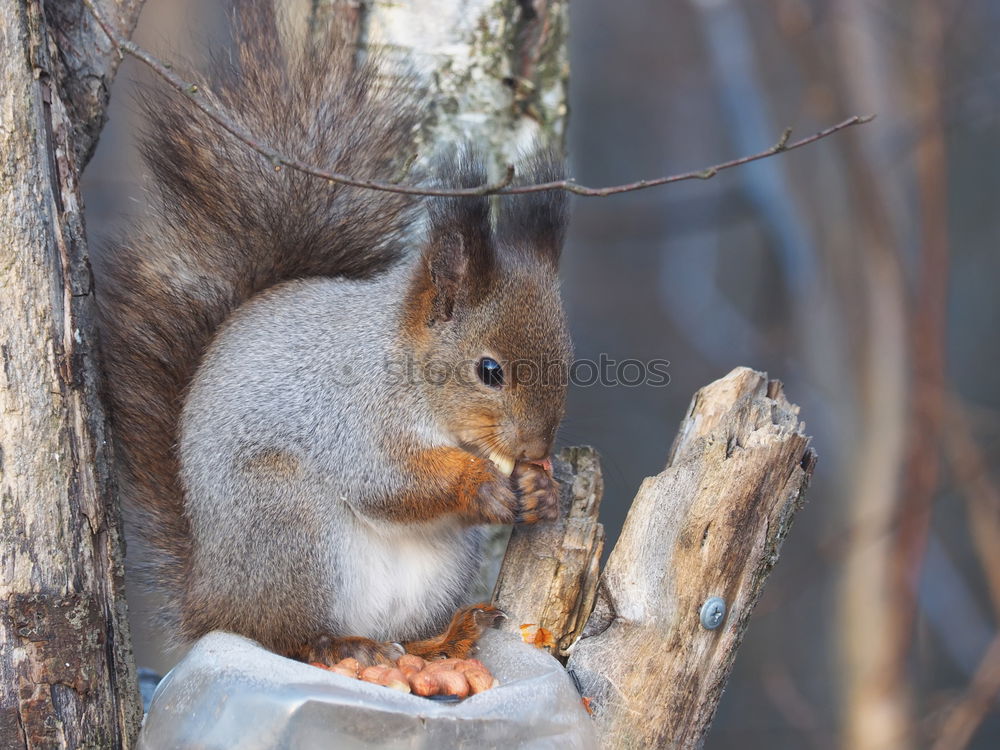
(412, 674)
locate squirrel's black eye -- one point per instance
(490, 372)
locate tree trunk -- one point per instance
(497, 70)
(875, 691)
(66, 673)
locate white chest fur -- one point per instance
(402, 579)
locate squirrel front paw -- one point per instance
(538, 493)
(496, 500)
(528, 495)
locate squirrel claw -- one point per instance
(327, 649)
(486, 615)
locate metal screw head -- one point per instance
(713, 612)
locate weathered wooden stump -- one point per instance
(647, 639)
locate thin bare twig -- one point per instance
(502, 187)
(970, 467)
(971, 708)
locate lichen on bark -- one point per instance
(497, 71)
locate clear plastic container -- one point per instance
(228, 692)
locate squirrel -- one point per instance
(316, 389)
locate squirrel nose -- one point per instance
(535, 449)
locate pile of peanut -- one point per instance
(411, 674)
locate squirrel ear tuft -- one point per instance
(459, 253)
(536, 222)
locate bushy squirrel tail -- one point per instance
(224, 223)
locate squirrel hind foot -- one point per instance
(461, 635)
(328, 649)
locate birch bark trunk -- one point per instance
(66, 673)
(497, 70)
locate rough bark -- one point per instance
(549, 572)
(711, 524)
(87, 63)
(66, 674)
(497, 70)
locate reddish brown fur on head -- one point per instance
(490, 289)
